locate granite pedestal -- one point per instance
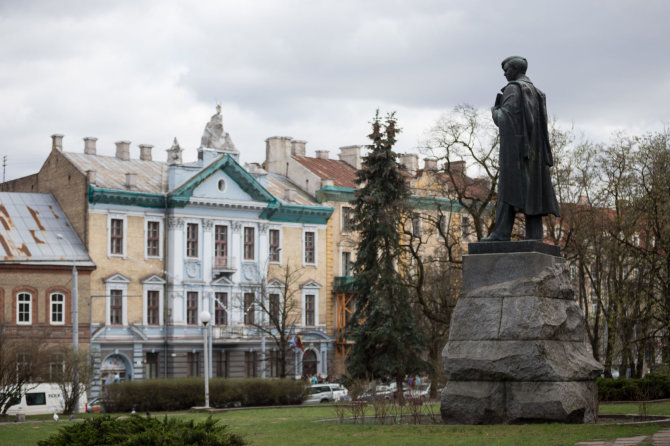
(517, 349)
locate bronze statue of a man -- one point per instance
(524, 184)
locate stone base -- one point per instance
(488, 402)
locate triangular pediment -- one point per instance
(153, 279)
(310, 284)
(222, 281)
(275, 283)
(240, 184)
(116, 278)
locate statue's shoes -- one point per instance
(495, 238)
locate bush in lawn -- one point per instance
(184, 393)
(138, 430)
(651, 386)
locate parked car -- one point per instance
(94, 406)
(327, 393)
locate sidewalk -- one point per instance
(661, 438)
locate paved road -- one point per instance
(661, 438)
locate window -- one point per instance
(151, 365)
(249, 317)
(220, 304)
(221, 361)
(466, 230)
(192, 363)
(191, 240)
(57, 309)
(249, 244)
(152, 307)
(24, 308)
(274, 245)
(309, 248)
(347, 219)
(221, 244)
(274, 364)
(115, 307)
(309, 309)
(274, 308)
(116, 236)
(250, 364)
(347, 264)
(153, 239)
(416, 225)
(56, 367)
(192, 307)
(36, 399)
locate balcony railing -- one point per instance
(343, 283)
(223, 264)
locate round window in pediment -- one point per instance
(221, 185)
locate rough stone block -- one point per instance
(490, 269)
(476, 319)
(473, 402)
(540, 360)
(552, 282)
(540, 318)
(564, 402)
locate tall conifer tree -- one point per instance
(387, 343)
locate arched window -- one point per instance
(24, 308)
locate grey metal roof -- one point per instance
(30, 226)
(152, 176)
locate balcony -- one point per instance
(343, 283)
(223, 265)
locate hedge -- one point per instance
(627, 389)
(136, 430)
(184, 393)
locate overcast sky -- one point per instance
(147, 71)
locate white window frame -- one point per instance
(146, 237)
(124, 248)
(145, 302)
(279, 253)
(30, 308)
(51, 308)
(198, 306)
(316, 246)
(313, 290)
(200, 247)
(229, 239)
(244, 259)
(116, 285)
(343, 228)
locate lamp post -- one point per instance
(205, 317)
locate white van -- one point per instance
(43, 399)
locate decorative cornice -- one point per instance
(277, 211)
(125, 198)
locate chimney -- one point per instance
(410, 161)
(455, 167)
(123, 150)
(131, 180)
(298, 147)
(145, 152)
(351, 155)
(430, 164)
(289, 194)
(322, 154)
(327, 182)
(583, 200)
(89, 145)
(91, 176)
(57, 142)
(277, 154)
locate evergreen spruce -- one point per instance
(387, 343)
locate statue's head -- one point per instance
(514, 67)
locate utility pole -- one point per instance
(4, 163)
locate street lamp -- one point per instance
(205, 317)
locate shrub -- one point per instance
(626, 389)
(136, 430)
(184, 393)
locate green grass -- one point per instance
(295, 427)
(662, 408)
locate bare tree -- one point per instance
(279, 305)
(21, 364)
(73, 376)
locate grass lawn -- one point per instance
(295, 426)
